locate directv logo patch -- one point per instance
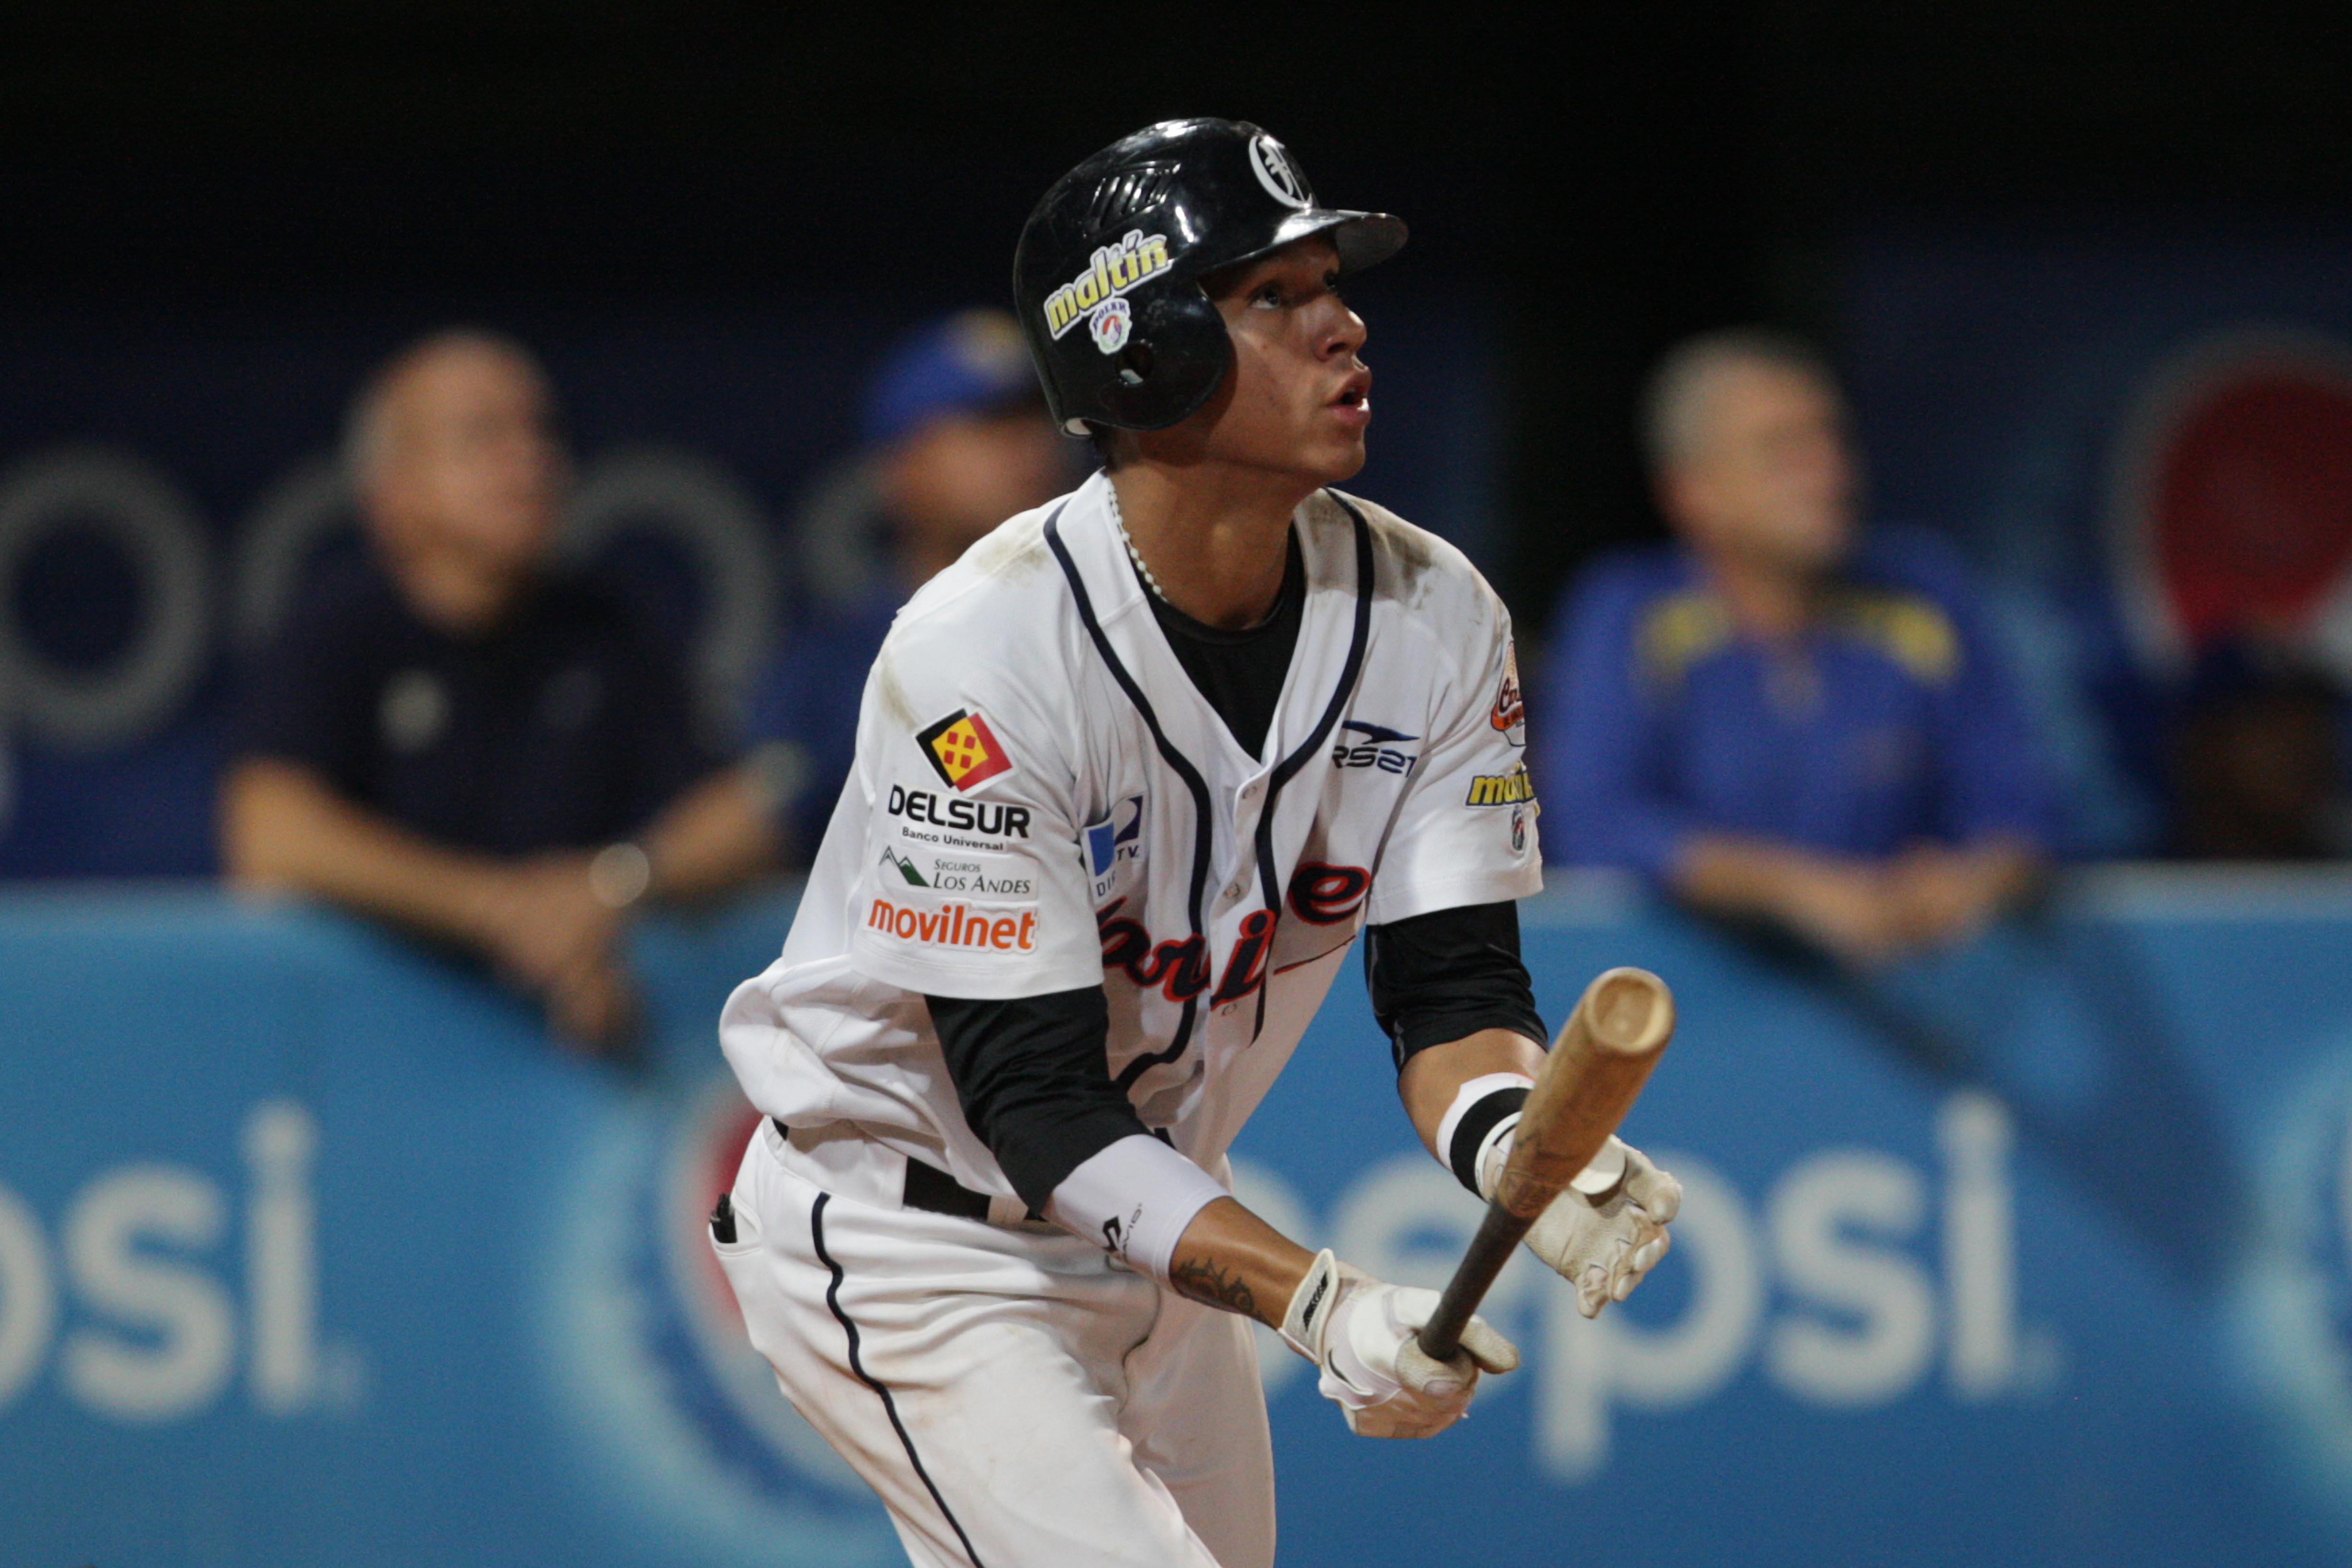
(1112, 844)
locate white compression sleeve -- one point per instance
(1485, 1111)
(1135, 1198)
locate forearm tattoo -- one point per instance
(1203, 1280)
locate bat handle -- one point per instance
(1499, 1233)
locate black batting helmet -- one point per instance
(1106, 281)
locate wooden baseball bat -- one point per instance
(1597, 1067)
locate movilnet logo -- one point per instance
(963, 751)
(955, 925)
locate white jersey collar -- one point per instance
(1325, 654)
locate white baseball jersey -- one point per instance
(1043, 801)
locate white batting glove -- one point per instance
(1607, 1229)
(1360, 1334)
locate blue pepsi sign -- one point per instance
(313, 1248)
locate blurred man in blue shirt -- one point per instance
(1776, 717)
(956, 440)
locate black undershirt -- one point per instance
(1031, 1072)
(1241, 672)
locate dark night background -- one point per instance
(1604, 182)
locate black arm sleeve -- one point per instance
(1035, 1082)
(1438, 977)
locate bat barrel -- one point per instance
(1628, 1012)
(1596, 1068)
(1598, 1065)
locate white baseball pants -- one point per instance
(1015, 1400)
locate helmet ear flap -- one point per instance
(1171, 363)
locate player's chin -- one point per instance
(1337, 455)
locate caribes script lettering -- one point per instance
(1179, 966)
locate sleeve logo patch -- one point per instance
(1509, 714)
(957, 925)
(1513, 788)
(963, 751)
(1111, 844)
(955, 874)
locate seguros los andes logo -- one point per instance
(961, 874)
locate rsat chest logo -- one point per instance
(1373, 746)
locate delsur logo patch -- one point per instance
(1513, 788)
(963, 751)
(1509, 714)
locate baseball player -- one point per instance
(1133, 776)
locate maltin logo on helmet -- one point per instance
(1113, 270)
(1273, 168)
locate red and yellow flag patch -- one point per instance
(963, 751)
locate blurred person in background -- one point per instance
(458, 736)
(956, 440)
(2257, 761)
(1777, 718)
